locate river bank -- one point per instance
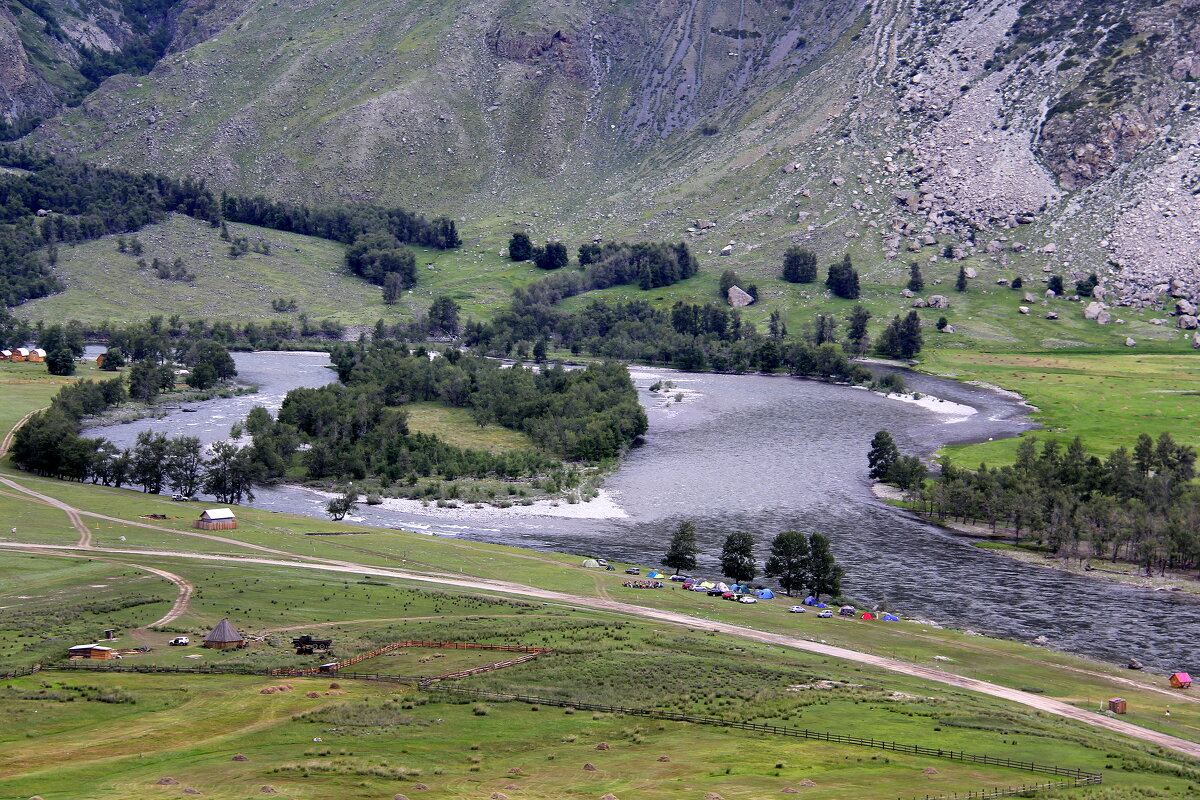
(1000, 541)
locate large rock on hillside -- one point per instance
(739, 298)
(1093, 310)
(939, 301)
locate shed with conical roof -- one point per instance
(224, 636)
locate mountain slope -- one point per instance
(1015, 139)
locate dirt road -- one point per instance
(941, 676)
(85, 533)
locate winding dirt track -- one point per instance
(6, 443)
(85, 533)
(1034, 701)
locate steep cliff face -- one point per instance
(1047, 133)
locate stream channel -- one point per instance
(765, 454)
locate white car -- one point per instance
(797, 609)
(180, 641)
(826, 614)
(747, 599)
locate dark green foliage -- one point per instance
(789, 560)
(729, 279)
(857, 337)
(520, 248)
(1017, 283)
(1141, 506)
(737, 557)
(682, 552)
(843, 279)
(915, 282)
(589, 254)
(1055, 284)
(1084, 287)
(443, 316)
(902, 337)
(359, 428)
(824, 573)
(882, 455)
(393, 287)
(114, 359)
(552, 256)
(60, 361)
(799, 265)
(378, 255)
(960, 283)
(942, 323)
(13, 332)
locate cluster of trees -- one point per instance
(888, 465)
(902, 337)
(381, 259)
(1138, 505)
(800, 563)
(799, 265)
(646, 264)
(359, 428)
(86, 202)
(842, 279)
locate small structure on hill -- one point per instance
(1117, 705)
(20, 354)
(6, 355)
(217, 519)
(306, 645)
(37, 354)
(224, 636)
(95, 651)
(1181, 680)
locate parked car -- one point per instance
(602, 562)
(715, 592)
(826, 614)
(180, 498)
(729, 596)
(633, 571)
(797, 609)
(747, 599)
(180, 641)
(679, 577)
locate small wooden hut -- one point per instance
(37, 355)
(6, 355)
(224, 636)
(1117, 705)
(217, 519)
(20, 354)
(1181, 680)
(97, 651)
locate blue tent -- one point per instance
(654, 575)
(810, 601)
(890, 618)
(820, 605)
(765, 594)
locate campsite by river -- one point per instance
(763, 454)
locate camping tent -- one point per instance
(765, 594)
(868, 616)
(890, 618)
(655, 574)
(707, 585)
(591, 563)
(722, 587)
(810, 601)
(846, 611)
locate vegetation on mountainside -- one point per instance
(61, 201)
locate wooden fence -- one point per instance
(1074, 777)
(530, 654)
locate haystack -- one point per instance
(930, 771)
(512, 786)
(603, 746)
(239, 757)
(515, 771)
(335, 686)
(399, 797)
(268, 790)
(190, 790)
(421, 787)
(167, 782)
(589, 768)
(313, 695)
(713, 796)
(664, 759)
(608, 797)
(806, 782)
(498, 796)
(790, 790)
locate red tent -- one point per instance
(868, 615)
(1181, 680)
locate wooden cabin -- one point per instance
(224, 636)
(1117, 705)
(6, 355)
(37, 355)
(216, 519)
(20, 354)
(100, 360)
(1181, 680)
(95, 651)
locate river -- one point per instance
(769, 453)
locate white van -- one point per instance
(180, 641)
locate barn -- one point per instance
(37, 354)
(217, 519)
(20, 354)
(224, 636)
(90, 651)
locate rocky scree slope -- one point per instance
(1049, 137)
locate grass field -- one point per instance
(1106, 399)
(455, 426)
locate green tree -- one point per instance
(1055, 284)
(960, 284)
(520, 248)
(789, 560)
(184, 464)
(230, 473)
(147, 380)
(682, 552)
(737, 557)
(1017, 283)
(857, 338)
(60, 362)
(842, 279)
(915, 282)
(114, 359)
(202, 376)
(729, 279)
(799, 265)
(908, 473)
(824, 574)
(539, 350)
(553, 256)
(343, 504)
(150, 459)
(393, 287)
(443, 316)
(882, 455)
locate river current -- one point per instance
(764, 454)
